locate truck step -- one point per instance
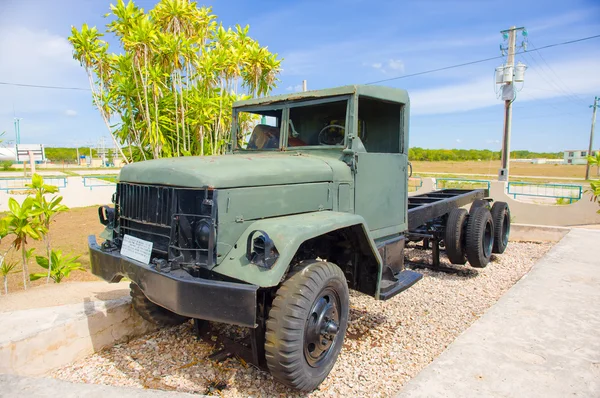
(403, 280)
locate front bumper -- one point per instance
(178, 291)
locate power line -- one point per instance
(375, 82)
(559, 82)
(544, 75)
(39, 86)
(435, 70)
(480, 61)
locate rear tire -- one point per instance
(479, 203)
(307, 324)
(151, 312)
(480, 237)
(501, 219)
(454, 236)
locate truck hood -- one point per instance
(229, 171)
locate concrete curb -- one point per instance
(537, 233)
(35, 341)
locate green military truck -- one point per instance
(311, 200)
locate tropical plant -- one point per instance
(22, 221)
(595, 161)
(6, 268)
(58, 266)
(169, 93)
(595, 192)
(48, 208)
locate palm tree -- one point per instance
(172, 89)
(90, 51)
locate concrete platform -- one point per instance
(86, 317)
(542, 338)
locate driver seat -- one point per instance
(264, 137)
(267, 137)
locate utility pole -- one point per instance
(591, 148)
(508, 94)
(17, 130)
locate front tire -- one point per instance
(307, 324)
(151, 312)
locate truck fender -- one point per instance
(287, 234)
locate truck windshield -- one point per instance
(322, 124)
(259, 130)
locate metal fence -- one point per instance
(20, 183)
(414, 183)
(570, 192)
(99, 181)
(442, 183)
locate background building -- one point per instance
(577, 156)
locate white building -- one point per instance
(577, 156)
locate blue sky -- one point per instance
(333, 43)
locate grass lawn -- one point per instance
(69, 233)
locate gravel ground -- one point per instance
(387, 343)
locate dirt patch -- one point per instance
(69, 233)
(491, 167)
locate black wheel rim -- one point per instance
(322, 327)
(488, 238)
(505, 228)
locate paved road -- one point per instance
(542, 338)
(21, 387)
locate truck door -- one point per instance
(381, 179)
(380, 191)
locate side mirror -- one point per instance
(106, 215)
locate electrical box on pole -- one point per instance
(507, 75)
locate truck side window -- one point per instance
(380, 125)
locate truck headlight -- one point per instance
(260, 250)
(202, 234)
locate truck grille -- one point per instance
(153, 213)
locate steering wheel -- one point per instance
(326, 139)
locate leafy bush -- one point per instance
(595, 191)
(61, 266)
(5, 269)
(7, 165)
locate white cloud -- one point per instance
(580, 76)
(396, 65)
(70, 112)
(377, 65)
(295, 89)
(458, 140)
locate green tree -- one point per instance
(170, 92)
(48, 208)
(23, 222)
